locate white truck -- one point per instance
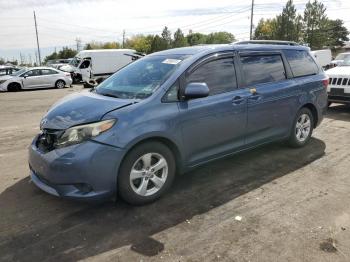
(323, 57)
(96, 65)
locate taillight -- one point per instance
(325, 82)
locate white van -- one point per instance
(323, 57)
(98, 64)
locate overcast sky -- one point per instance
(61, 22)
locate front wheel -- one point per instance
(146, 173)
(302, 128)
(60, 84)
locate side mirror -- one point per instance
(196, 90)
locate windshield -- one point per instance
(345, 62)
(75, 61)
(141, 78)
(342, 57)
(19, 72)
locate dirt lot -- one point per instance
(294, 203)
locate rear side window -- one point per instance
(219, 75)
(301, 63)
(48, 72)
(259, 69)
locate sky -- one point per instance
(61, 22)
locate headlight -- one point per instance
(2, 81)
(78, 134)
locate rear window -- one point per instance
(262, 68)
(301, 63)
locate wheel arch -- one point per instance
(313, 110)
(164, 140)
(60, 79)
(14, 83)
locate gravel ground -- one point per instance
(270, 204)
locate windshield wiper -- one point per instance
(109, 95)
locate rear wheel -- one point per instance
(146, 173)
(14, 87)
(302, 128)
(60, 84)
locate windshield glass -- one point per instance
(75, 61)
(19, 72)
(342, 57)
(345, 62)
(141, 78)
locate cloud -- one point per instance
(14, 4)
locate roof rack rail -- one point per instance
(266, 42)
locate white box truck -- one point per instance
(323, 57)
(98, 64)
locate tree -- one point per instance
(166, 37)
(65, 53)
(196, 39)
(337, 33)
(179, 39)
(266, 29)
(140, 43)
(288, 24)
(102, 45)
(315, 24)
(53, 56)
(158, 44)
(220, 38)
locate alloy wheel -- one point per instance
(148, 174)
(303, 127)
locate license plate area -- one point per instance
(337, 91)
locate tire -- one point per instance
(14, 87)
(302, 128)
(60, 84)
(153, 167)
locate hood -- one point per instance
(80, 108)
(339, 70)
(67, 68)
(6, 77)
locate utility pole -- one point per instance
(251, 21)
(37, 38)
(123, 38)
(78, 41)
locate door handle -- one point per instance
(237, 100)
(254, 97)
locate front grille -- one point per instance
(47, 140)
(339, 81)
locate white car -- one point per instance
(35, 77)
(340, 58)
(339, 83)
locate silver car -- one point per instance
(35, 77)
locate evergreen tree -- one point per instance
(315, 24)
(179, 39)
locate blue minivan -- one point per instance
(174, 110)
